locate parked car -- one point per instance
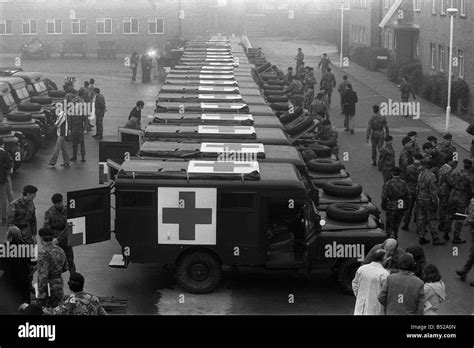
(35, 49)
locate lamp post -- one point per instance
(451, 12)
(341, 56)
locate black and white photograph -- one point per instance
(175, 163)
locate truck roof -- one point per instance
(35, 76)
(13, 81)
(178, 173)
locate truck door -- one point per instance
(88, 211)
(117, 152)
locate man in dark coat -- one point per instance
(99, 113)
(349, 99)
(137, 111)
(403, 292)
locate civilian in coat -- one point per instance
(392, 255)
(435, 290)
(403, 292)
(367, 285)
(137, 111)
(349, 100)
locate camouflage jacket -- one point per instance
(462, 191)
(79, 303)
(405, 159)
(427, 192)
(386, 158)
(446, 150)
(411, 176)
(295, 89)
(318, 107)
(445, 181)
(51, 264)
(56, 220)
(328, 136)
(22, 214)
(376, 127)
(438, 157)
(309, 81)
(415, 148)
(328, 81)
(395, 195)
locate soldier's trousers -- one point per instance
(427, 218)
(78, 139)
(387, 175)
(410, 204)
(470, 261)
(444, 216)
(453, 209)
(393, 219)
(377, 144)
(70, 258)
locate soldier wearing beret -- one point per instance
(22, 214)
(436, 154)
(415, 147)
(411, 177)
(445, 186)
(395, 195)
(55, 219)
(446, 148)
(51, 264)
(406, 156)
(387, 159)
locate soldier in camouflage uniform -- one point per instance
(22, 214)
(415, 147)
(462, 273)
(411, 178)
(406, 156)
(446, 148)
(444, 191)
(459, 198)
(55, 219)
(295, 91)
(308, 154)
(395, 194)
(428, 202)
(377, 131)
(79, 302)
(387, 159)
(436, 153)
(328, 136)
(51, 264)
(428, 150)
(327, 84)
(319, 108)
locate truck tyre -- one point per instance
(280, 106)
(199, 272)
(276, 83)
(341, 188)
(267, 87)
(5, 129)
(19, 116)
(327, 166)
(41, 100)
(273, 92)
(347, 212)
(299, 125)
(57, 94)
(277, 99)
(345, 274)
(27, 106)
(286, 117)
(321, 150)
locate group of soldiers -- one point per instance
(55, 258)
(425, 182)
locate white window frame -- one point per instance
(104, 21)
(442, 10)
(130, 20)
(461, 60)
(462, 8)
(53, 20)
(441, 53)
(433, 55)
(72, 26)
(155, 20)
(28, 20)
(434, 5)
(416, 6)
(4, 22)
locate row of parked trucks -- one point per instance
(217, 179)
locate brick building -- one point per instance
(364, 17)
(133, 25)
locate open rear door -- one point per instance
(114, 152)
(88, 211)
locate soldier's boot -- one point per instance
(462, 275)
(457, 233)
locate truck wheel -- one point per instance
(324, 166)
(321, 150)
(5, 129)
(29, 150)
(276, 83)
(277, 99)
(27, 106)
(19, 116)
(280, 106)
(273, 92)
(299, 125)
(345, 274)
(341, 188)
(199, 272)
(41, 100)
(57, 94)
(347, 212)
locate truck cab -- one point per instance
(200, 215)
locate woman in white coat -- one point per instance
(367, 285)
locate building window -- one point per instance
(433, 56)
(104, 25)
(433, 6)
(130, 26)
(461, 63)
(416, 5)
(6, 27)
(462, 8)
(54, 26)
(442, 7)
(156, 26)
(29, 26)
(441, 57)
(385, 4)
(79, 26)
